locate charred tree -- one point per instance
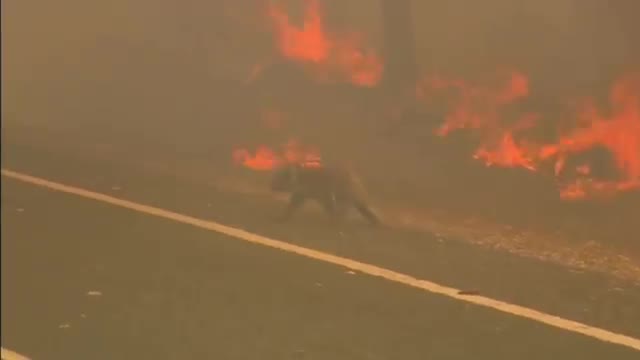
(399, 45)
(400, 74)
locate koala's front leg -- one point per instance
(296, 201)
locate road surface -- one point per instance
(83, 279)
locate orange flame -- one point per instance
(507, 153)
(310, 43)
(487, 111)
(325, 52)
(619, 132)
(265, 158)
(480, 109)
(295, 152)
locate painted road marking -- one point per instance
(555, 321)
(6, 354)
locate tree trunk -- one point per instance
(399, 45)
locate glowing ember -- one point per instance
(507, 153)
(265, 159)
(588, 188)
(328, 54)
(294, 152)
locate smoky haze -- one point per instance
(119, 56)
(171, 75)
(114, 60)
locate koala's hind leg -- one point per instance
(329, 204)
(296, 201)
(366, 212)
(336, 208)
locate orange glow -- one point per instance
(476, 107)
(618, 132)
(482, 110)
(327, 54)
(262, 160)
(507, 153)
(309, 43)
(265, 158)
(589, 188)
(295, 152)
(583, 170)
(488, 111)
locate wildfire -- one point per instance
(506, 153)
(504, 133)
(265, 158)
(481, 110)
(618, 132)
(327, 54)
(476, 107)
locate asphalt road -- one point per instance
(86, 280)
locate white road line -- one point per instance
(555, 321)
(6, 354)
